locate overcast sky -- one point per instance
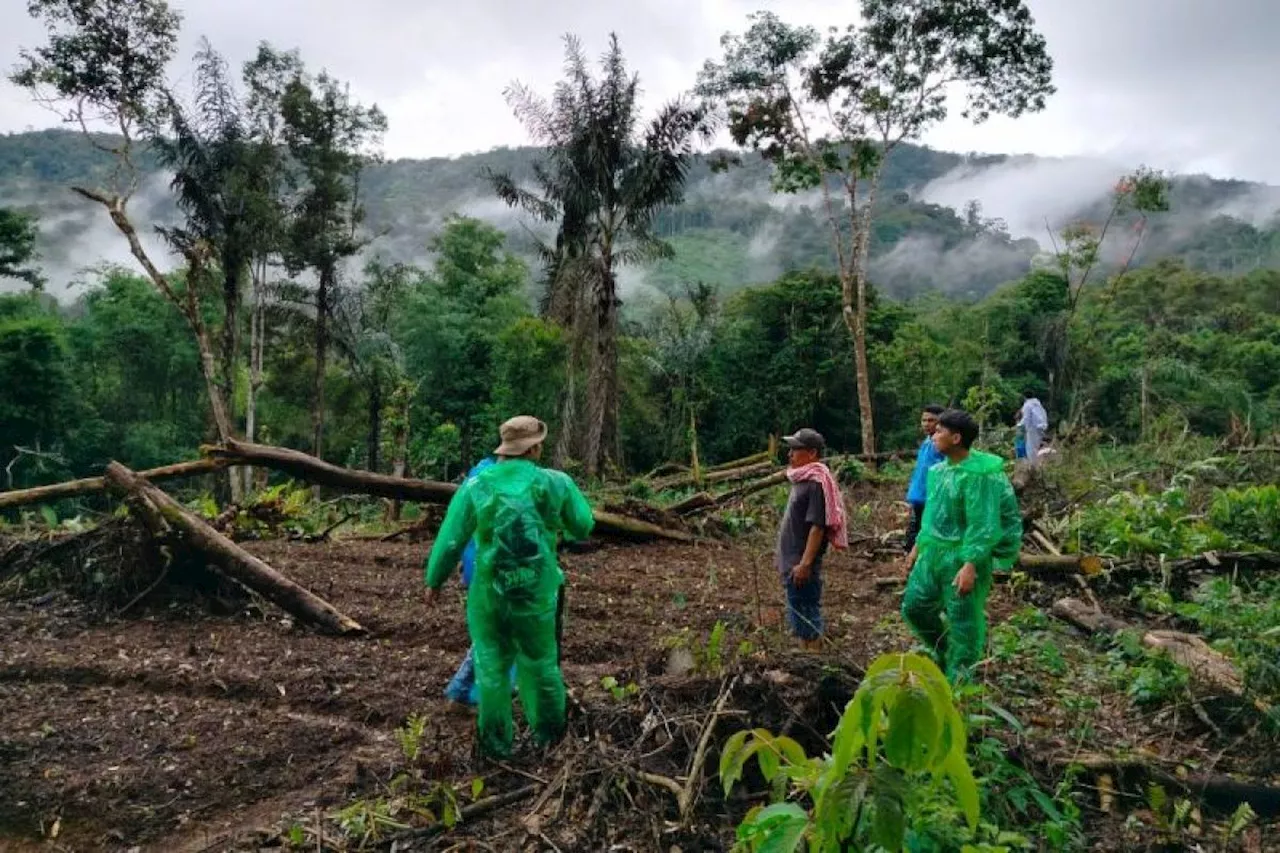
(1177, 84)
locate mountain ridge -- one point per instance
(732, 230)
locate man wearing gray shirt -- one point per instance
(802, 537)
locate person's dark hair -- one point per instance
(1028, 394)
(934, 409)
(962, 424)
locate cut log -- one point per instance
(1086, 564)
(1211, 561)
(94, 485)
(726, 475)
(1207, 666)
(162, 514)
(693, 503)
(753, 459)
(319, 472)
(1223, 794)
(751, 488)
(626, 527)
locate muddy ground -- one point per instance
(173, 729)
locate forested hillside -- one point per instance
(731, 230)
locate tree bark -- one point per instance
(319, 472)
(375, 424)
(855, 315)
(602, 384)
(1223, 794)
(94, 485)
(1085, 564)
(401, 403)
(256, 348)
(725, 475)
(322, 353)
(1208, 667)
(158, 510)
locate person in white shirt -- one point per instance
(1035, 423)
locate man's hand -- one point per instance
(801, 573)
(910, 562)
(965, 578)
(429, 596)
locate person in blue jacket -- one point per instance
(926, 458)
(462, 687)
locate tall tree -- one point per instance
(266, 79)
(18, 247)
(827, 112)
(331, 139)
(365, 322)
(605, 178)
(216, 180)
(104, 63)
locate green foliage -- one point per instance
(102, 60)
(461, 343)
(18, 233)
(901, 728)
(1164, 524)
(39, 397)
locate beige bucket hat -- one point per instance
(519, 434)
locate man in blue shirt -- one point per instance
(926, 458)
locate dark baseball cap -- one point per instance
(809, 439)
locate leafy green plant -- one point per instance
(900, 729)
(618, 691)
(409, 736)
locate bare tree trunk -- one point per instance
(401, 400)
(256, 347)
(322, 352)
(862, 369)
(375, 423)
(568, 415)
(602, 382)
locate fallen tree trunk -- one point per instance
(750, 488)
(1221, 793)
(1085, 564)
(693, 503)
(162, 515)
(313, 470)
(753, 459)
(1210, 561)
(318, 472)
(94, 485)
(1207, 666)
(724, 476)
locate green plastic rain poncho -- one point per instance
(514, 510)
(971, 515)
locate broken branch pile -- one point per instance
(169, 524)
(640, 773)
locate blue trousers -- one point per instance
(804, 607)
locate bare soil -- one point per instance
(170, 728)
(213, 723)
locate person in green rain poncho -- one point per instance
(971, 526)
(514, 509)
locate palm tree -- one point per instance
(604, 179)
(214, 179)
